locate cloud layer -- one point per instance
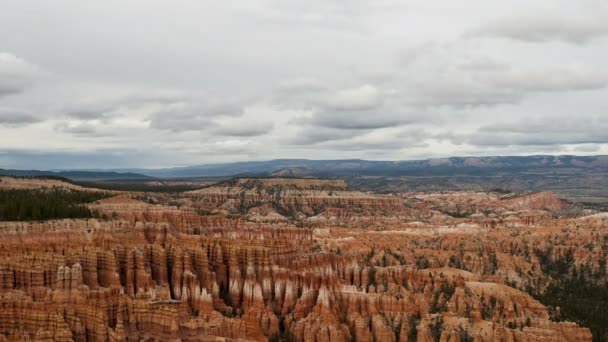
(81, 86)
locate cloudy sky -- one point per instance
(148, 83)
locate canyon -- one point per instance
(297, 259)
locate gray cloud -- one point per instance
(176, 121)
(108, 107)
(586, 148)
(365, 97)
(330, 15)
(549, 79)
(300, 85)
(15, 74)
(310, 135)
(170, 111)
(244, 129)
(460, 91)
(540, 131)
(311, 94)
(544, 139)
(92, 111)
(362, 120)
(364, 107)
(83, 129)
(382, 140)
(16, 117)
(485, 83)
(460, 74)
(546, 27)
(193, 116)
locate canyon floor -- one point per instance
(283, 259)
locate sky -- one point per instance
(147, 83)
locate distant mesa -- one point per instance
(545, 200)
(298, 183)
(293, 172)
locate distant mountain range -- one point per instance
(341, 168)
(581, 178)
(578, 178)
(358, 167)
(77, 175)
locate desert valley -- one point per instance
(297, 259)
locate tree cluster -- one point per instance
(46, 204)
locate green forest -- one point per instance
(580, 293)
(580, 301)
(46, 204)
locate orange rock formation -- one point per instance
(361, 266)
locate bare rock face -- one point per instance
(164, 272)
